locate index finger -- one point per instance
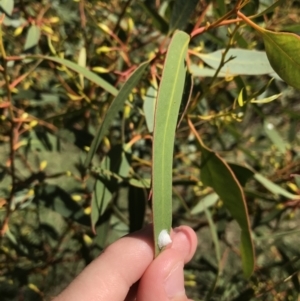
(110, 276)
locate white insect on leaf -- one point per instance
(163, 239)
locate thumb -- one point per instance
(164, 278)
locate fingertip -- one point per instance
(164, 278)
(184, 241)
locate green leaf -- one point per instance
(208, 201)
(166, 115)
(266, 99)
(100, 200)
(125, 164)
(114, 108)
(208, 72)
(13, 240)
(7, 6)
(283, 51)
(102, 229)
(244, 62)
(82, 63)
(242, 173)
(247, 252)
(274, 188)
(214, 235)
(181, 13)
(80, 70)
(216, 173)
(32, 38)
(143, 183)
(149, 107)
(274, 136)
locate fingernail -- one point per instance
(174, 283)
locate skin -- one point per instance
(127, 270)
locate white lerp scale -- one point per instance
(163, 239)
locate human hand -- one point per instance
(127, 271)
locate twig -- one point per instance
(222, 21)
(82, 14)
(201, 17)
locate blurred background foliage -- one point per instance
(49, 115)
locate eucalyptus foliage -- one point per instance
(114, 114)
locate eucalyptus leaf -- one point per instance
(283, 50)
(102, 229)
(142, 183)
(242, 173)
(216, 173)
(244, 62)
(206, 202)
(214, 234)
(100, 201)
(166, 115)
(114, 108)
(149, 107)
(266, 99)
(82, 63)
(275, 137)
(7, 6)
(32, 37)
(274, 188)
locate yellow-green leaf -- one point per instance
(32, 38)
(165, 120)
(283, 51)
(7, 6)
